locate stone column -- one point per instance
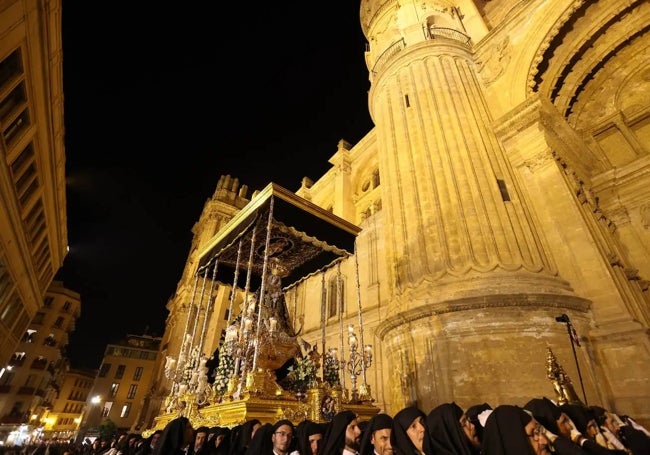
(475, 291)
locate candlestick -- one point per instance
(352, 341)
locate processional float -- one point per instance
(277, 240)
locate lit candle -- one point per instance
(353, 341)
(231, 334)
(273, 323)
(247, 324)
(351, 329)
(368, 348)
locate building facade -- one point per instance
(64, 418)
(122, 389)
(30, 384)
(503, 194)
(33, 226)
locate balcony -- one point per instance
(39, 364)
(24, 390)
(47, 405)
(393, 49)
(12, 420)
(17, 361)
(431, 33)
(450, 34)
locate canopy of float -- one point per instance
(304, 239)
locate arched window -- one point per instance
(332, 295)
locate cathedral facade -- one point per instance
(503, 198)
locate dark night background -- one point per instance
(163, 98)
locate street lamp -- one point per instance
(82, 429)
(95, 402)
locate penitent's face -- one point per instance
(281, 439)
(200, 438)
(415, 432)
(536, 438)
(315, 440)
(380, 440)
(353, 436)
(469, 429)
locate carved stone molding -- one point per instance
(613, 259)
(495, 61)
(539, 55)
(631, 273)
(539, 160)
(518, 119)
(644, 210)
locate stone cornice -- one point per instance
(533, 301)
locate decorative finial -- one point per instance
(561, 382)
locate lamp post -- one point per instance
(573, 337)
(86, 418)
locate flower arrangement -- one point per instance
(331, 373)
(301, 375)
(225, 369)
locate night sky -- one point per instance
(163, 98)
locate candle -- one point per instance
(333, 353)
(247, 324)
(351, 329)
(353, 341)
(368, 348)
(273, 323)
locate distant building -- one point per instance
(30, 383)
(63, 420)
(122, 388)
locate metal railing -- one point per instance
(431, 33)
(387, 54)
(449, 33)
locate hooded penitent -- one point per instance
(478, 414)
(335, 436)
(447, 435)
(402, 421)
(545, 412)
(377, 422)
(505, 432)
(173, 438)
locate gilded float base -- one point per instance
(262, 399)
